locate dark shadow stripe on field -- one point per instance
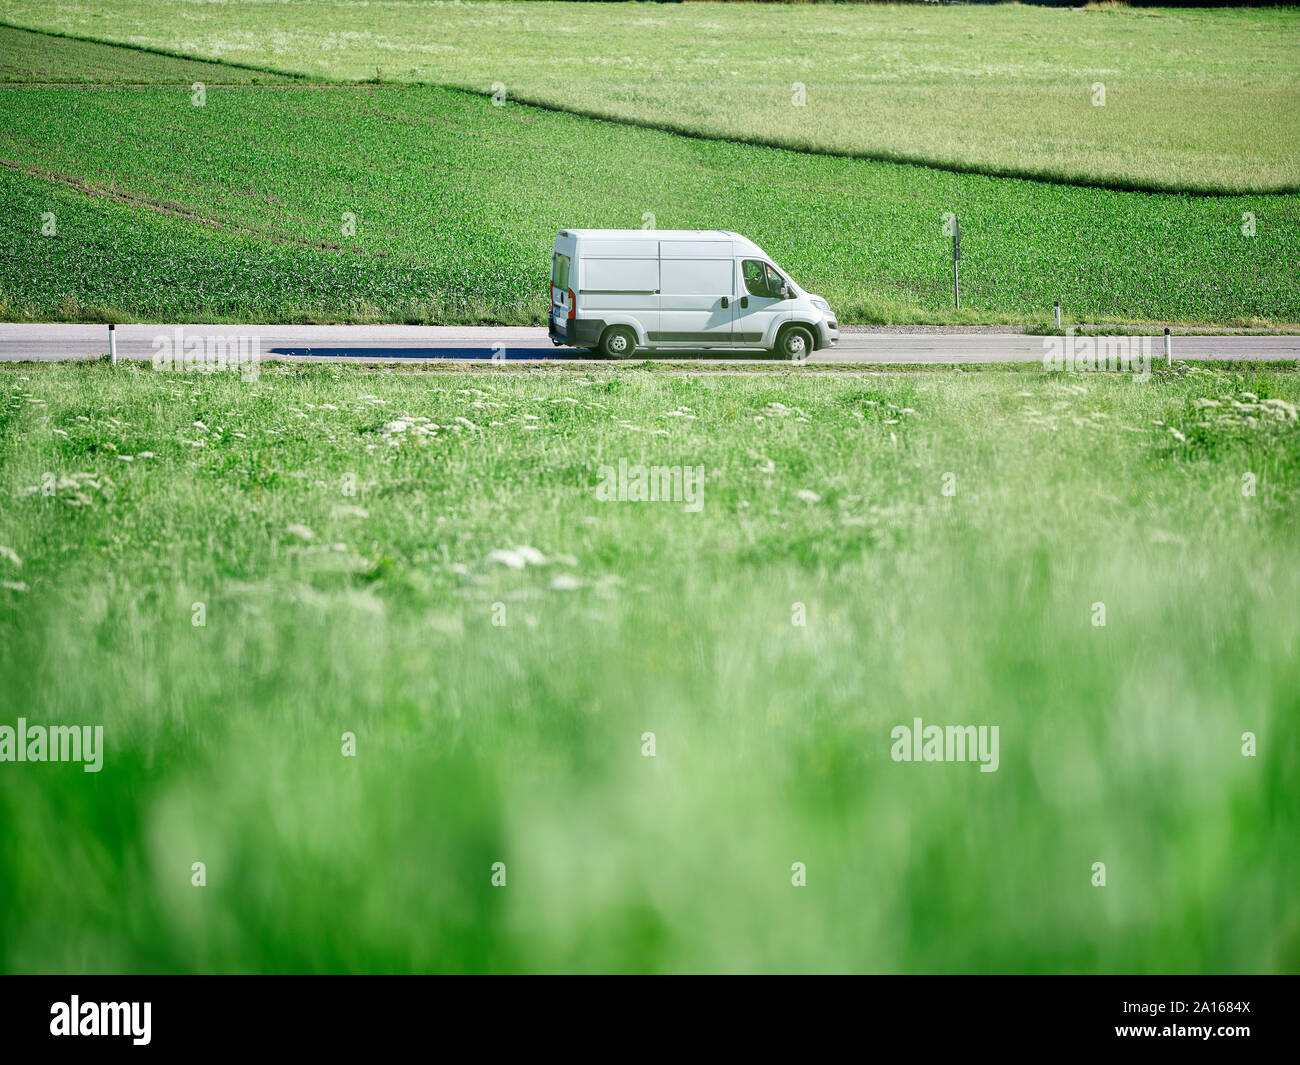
(166, 52)
(1041, 177)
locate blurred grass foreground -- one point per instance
(386, 686)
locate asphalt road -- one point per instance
(402, 344)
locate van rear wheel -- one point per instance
(618, 342)
(795, 343)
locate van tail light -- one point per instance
(572, 305)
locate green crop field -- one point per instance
(229, 576)
(1193, 99)
(163, 210)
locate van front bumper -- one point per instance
(828, 333)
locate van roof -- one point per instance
(659, 234)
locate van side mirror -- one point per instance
(785, 292)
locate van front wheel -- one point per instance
(618, 342)
(795, 343)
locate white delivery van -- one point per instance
(616, 290)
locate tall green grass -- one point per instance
(372, 613)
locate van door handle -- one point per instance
(744, 301)
(725, 303)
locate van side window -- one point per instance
(755, 277)
(560, 271)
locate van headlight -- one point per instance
(822, 306)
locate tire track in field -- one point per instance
(172, 210)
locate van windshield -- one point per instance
(560, 271)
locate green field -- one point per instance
(372, 612)
(356, 635)
(1206, 100)
(234, 210)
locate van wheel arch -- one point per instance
(618, 342)
(779, 343)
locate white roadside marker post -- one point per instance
(1169, 350)
(112, 344)
(1056, 311)
(956, 254)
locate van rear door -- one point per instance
(562, 278)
